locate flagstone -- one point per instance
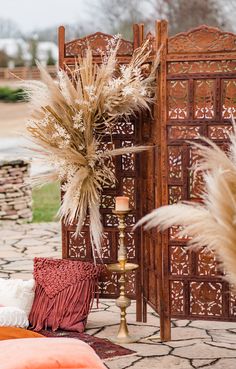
(30, 242)
(208, 324)
(195, 344)
(222, 364)
(3, 275)
(203, 363)
(148, 350)
(122, 362)
(24, 276)
(3, 261)
(186, 343)
(19, 265)
(181, 323)
(33, 250)
(185, 333)
(204, 351)
(11, 253)
(134, 330)
(92, 331)
(223, 336)
(164, 362)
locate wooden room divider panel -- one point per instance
(197, 89)
(127, 170)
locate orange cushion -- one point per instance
(7, 333)
(48, 353)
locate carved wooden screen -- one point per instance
(127, 173)
(197, 87)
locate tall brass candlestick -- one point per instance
(122, 268)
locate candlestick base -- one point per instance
(126, 339)
(117, 268)
(122, 268)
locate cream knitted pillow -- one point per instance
(17, 293)
(13, 317)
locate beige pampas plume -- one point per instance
(71, 116)
(213, 222)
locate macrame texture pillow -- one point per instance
(64, 293)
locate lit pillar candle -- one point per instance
(122, 203)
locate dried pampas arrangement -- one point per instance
(70, 119)
(212, 223)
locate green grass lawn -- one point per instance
(46, 202)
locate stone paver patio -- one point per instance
(195, 344)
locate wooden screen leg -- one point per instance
(139, 310)
(144, 311)
(165, 329)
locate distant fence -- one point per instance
(24, 72)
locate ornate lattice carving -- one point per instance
(129, 189)
(124, 128)
(232, 304)
(107, 246)
(204, 99)
(175, 163)
(174, 236)
(98, 43)
(78, 245)
(206, 298)
(109, 285)
(130, 286)
(202, 39)
(175, 194)
(200, 101)
(206, 263)
(202, 66)
(184, 132)
(127, 160)
(177, 99)
(219, 132)
(229, 100)
(110, 220)
(195, 180)
(130, 244)
(179, 260)
(177, 297)
(107, 202)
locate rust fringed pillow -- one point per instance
(64, 293)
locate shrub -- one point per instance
(8, 94)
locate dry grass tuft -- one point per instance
(212, 223)
(70, 119)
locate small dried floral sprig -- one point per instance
(70, 119)
(212, 223)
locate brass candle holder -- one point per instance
(122, 268)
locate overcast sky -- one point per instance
(33, 14)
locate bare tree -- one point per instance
(19, 59)
(117, 16)
(9, 29)
(4, 59)
(33, 49)
(185, 14)
(72, 31)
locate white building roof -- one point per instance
(11, 47)
(44, 47)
